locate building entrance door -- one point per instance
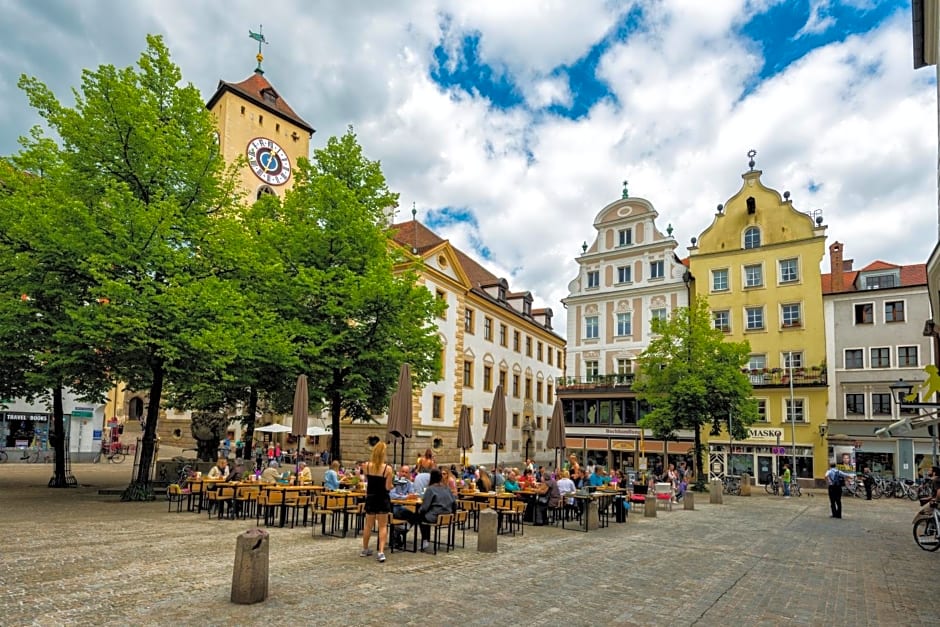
(765, 467)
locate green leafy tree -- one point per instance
(353, 316)
(158, 203)
(690, 378)
(40, 290)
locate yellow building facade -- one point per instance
(758, 264)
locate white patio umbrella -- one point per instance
(275, 428)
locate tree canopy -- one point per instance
(691, 377)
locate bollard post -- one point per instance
(688, 500)
(592, 521)
(250, 575)
(745, 485)
(486, 537)
(714, 492)
(649, 506)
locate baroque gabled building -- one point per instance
(627, 276)
(758, 265)
(874, 333)
(490, 336)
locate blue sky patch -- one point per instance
(470, 74)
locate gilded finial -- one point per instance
(259, 37)
(625, 194)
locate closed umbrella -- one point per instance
(298, 427)
(464, 435)
(400, 410)
(496, 430)
(556, 432)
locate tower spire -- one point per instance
(259, 37)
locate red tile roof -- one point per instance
(911, 275)
(257, 89)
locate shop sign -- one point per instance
(621, 445)
(630, 433)
(83, 412)
(26, 417)
(764, 434)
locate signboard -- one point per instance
(764, 434)
(778, 450)
(83, 412)
(642, 463)
(96, 434)
(621, 445)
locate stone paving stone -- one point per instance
(75, 557)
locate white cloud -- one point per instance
(852, 117)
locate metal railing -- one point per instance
(597, 381)
(781, 377)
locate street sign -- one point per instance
(778, 450)
(83, 413)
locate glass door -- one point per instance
(765, 467)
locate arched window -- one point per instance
(265, 189)
(752, 237)
(135, 409)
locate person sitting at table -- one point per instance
(421, 482)
(484, 483)
(448, 481)
(598, 478)
(272, 473)
(401, 489)
(498, 477)
(220, 470)
(437, 500)
(565, 487)
(303, 474)
(511, 482)
(331, 477)
(378, 505)
(527, 480)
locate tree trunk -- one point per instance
(140, 488)
(335, 409)
(60, 477)
(249, 437)
(700, 481)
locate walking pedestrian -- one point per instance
(786, 481)
(835, 480)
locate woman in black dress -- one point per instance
(378, 504)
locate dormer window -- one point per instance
(269, 95)
(502, 294)
(752, 237)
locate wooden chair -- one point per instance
(269, 504)
(444, 522)
(175, 494)
(516, 516)
(246, 497)
(461, 522)
(473, 511)
(220, 498)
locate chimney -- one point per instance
(836, 266)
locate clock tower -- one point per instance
(256, 123)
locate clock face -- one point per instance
(268, 161)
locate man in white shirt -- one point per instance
(835, 479)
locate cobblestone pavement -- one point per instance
(76, 557)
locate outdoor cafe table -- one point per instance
(604, 498)
(198, 487)
(348, 499)
(299, 490)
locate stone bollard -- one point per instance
(649, 506)
(486, 537)
(745, 485)
(688, 500)
(714, 492)
(250, 576)
(593, 521)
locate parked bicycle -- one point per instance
(772, 484)
(732, 485)
(927, 527)
(114, 453)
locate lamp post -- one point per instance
(901, 392)
(792, 412)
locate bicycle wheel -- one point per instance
(769, 488)
(875, 492)
(925, 535)
(795, 489)
(117, 458)
(911, 493)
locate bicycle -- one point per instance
(732, 485)
(114, 454)
(927, 527)
(772, 484)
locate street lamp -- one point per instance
(906, 399)
(900, 390)
(792, 413)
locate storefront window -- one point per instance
(604, 413)
(24, 429)
(880, 463)
(742, 463)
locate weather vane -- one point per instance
(259, 37)
(750, 155)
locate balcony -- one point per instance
(780, 377)
(601, 381)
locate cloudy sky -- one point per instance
(511, 124)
